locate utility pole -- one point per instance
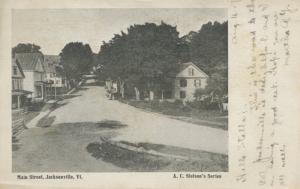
(55, 86)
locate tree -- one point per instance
(26, 48)
(200, 93)
(146, 57)
(209, 47)
(77, 59)
(217, 84)
(217, 88)
(143, 59)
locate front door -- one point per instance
(38, 91)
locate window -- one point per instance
(183, 83)
(63, 81)
(17, 84)
(57, 82)
(197, 83)
(182, 94)
(191, 71)
(21, 84)
(15, 70)
(13, 84)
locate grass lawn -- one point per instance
(135, 160)
(188, 113)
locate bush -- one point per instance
(178, 102)
(203, 105)
(169, 108)
(200, 93)
(154, 104)
(186, 109)
(36, 106)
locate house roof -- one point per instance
(187, 64)
(16, 62)
(55, 59)
(28, 61)
(50, 63)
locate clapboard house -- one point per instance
(35, 75)
(18, 93)
(189, 78)
(55, 75)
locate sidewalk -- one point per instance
(33, 123)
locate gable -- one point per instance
(28, 61)
(39, 66)
(192, 71)
(16, 69)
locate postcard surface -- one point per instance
(149, 94)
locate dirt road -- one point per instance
(89, 117)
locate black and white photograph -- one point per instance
(119, 90)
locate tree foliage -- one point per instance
(26, 48)
(76, 59)
(208, 47)
(208, 50)
(145, 57)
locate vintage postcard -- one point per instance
(149, 94)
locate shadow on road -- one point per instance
(46, 121)
(82, 127)
(110, 124)
(82, 89)
(70, 96)
(57, 105)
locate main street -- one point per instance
(89, 117)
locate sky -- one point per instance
(52, 29)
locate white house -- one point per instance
(17, 89)
(54, 75)
(189, 78)
(35, 75)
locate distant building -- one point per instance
(55, 75)
(189, 78)
(35, 75)
(18, 92)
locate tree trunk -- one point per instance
(137, 93)
(162, 95)
(122, 83)
(212, 97)
(151, 95)
(220, 104)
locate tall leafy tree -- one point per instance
(77, 59)
(209, 50)
(144, 58)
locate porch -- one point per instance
(19, 98)
(40, 90)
